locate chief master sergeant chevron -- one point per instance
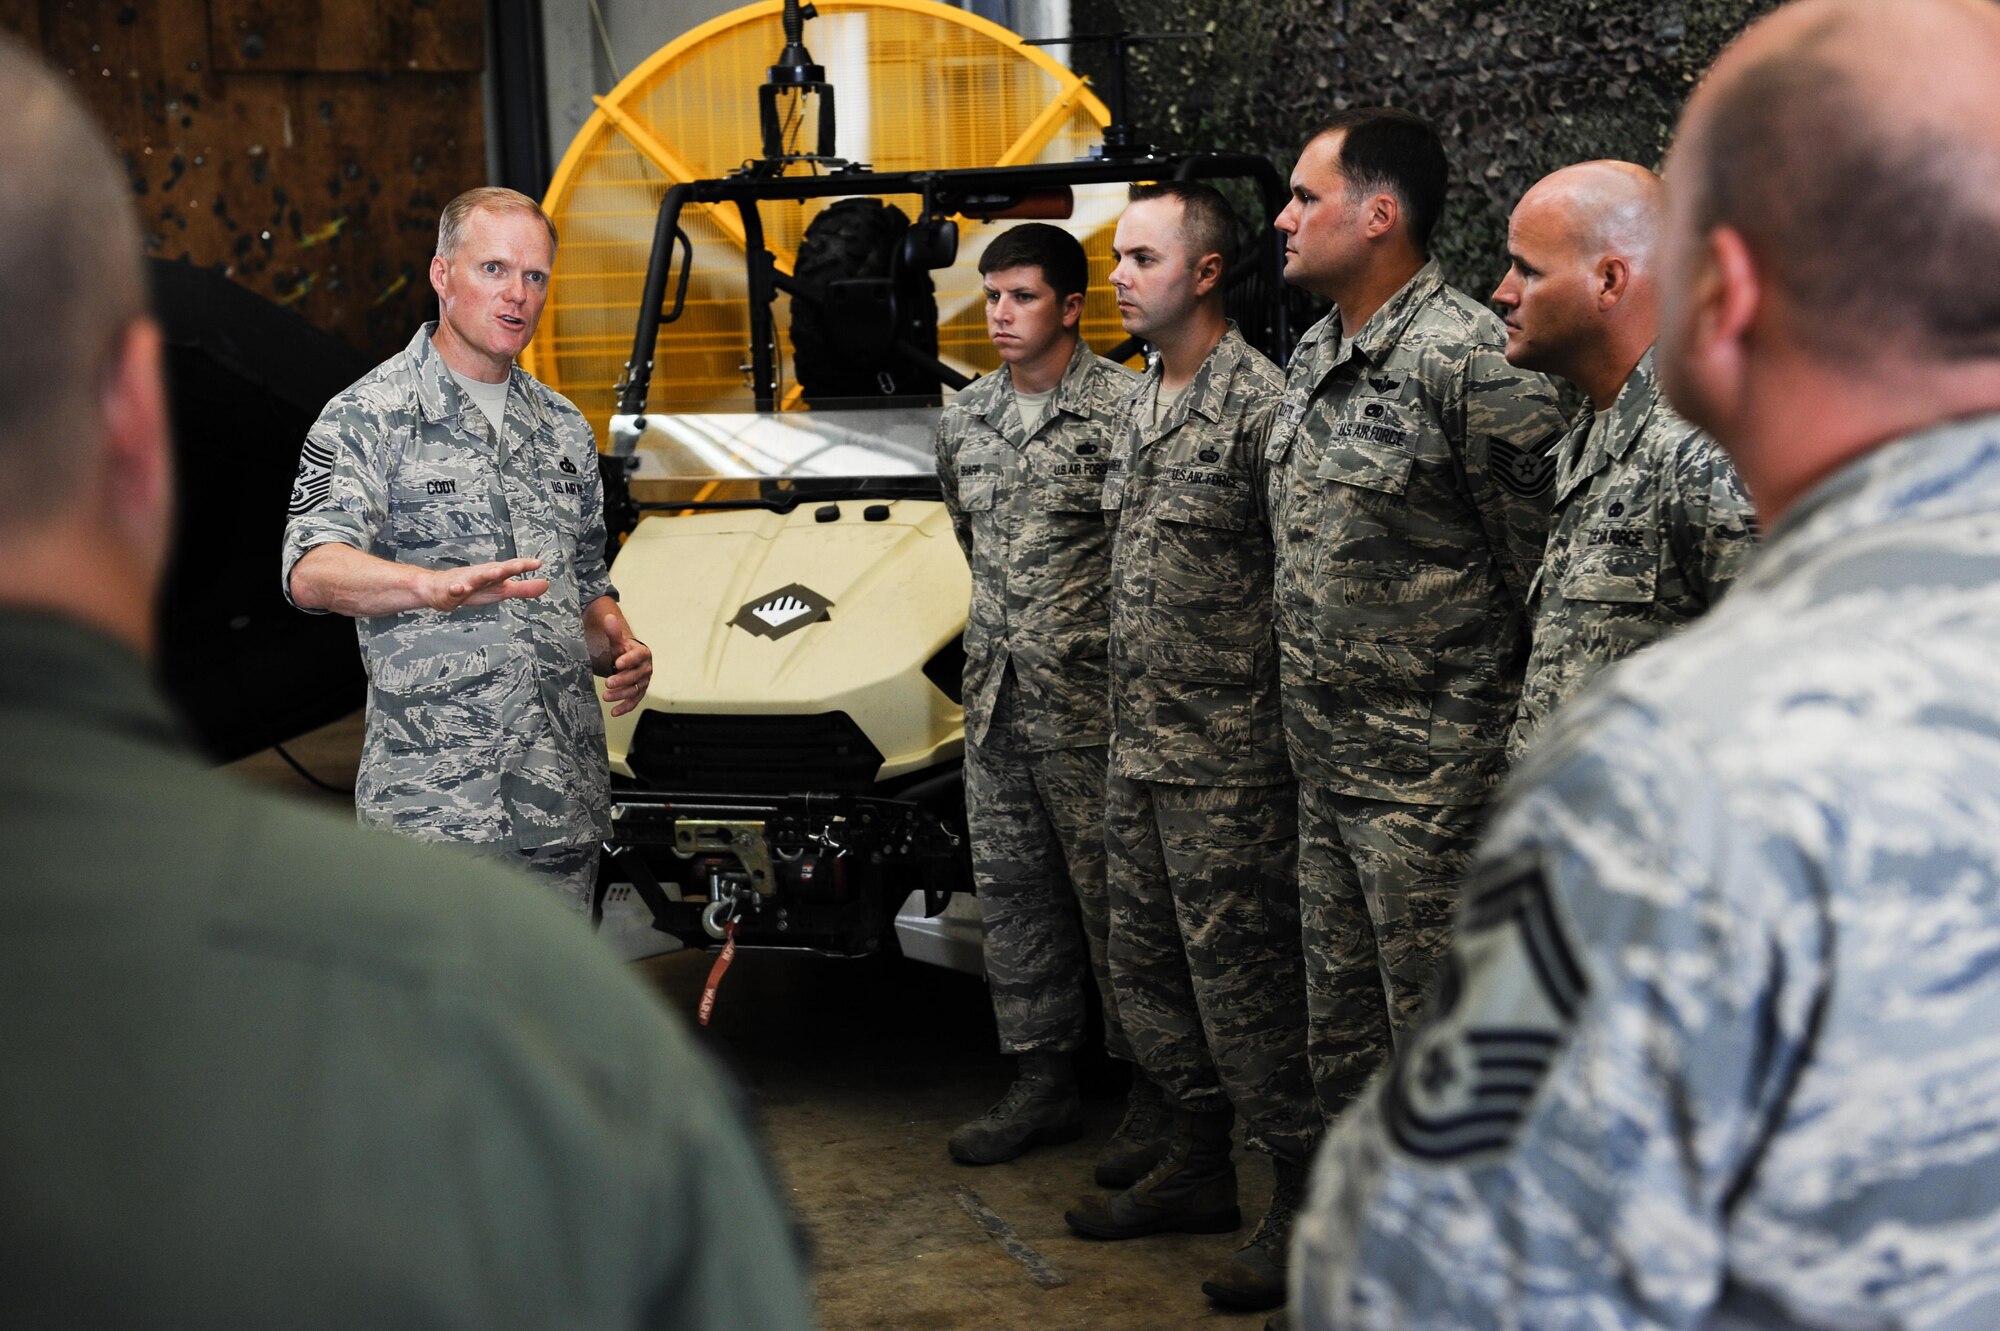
(427, 495)
(1717, 1047)
(1410, 472)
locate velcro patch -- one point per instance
(315, 479)
(1510, 994)
(1526, 472)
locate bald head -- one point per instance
(70, 282)
(1578, 298)
(1603, 209)
(1853, 145)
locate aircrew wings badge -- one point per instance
(1468, 1079)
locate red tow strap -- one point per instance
(715, 973)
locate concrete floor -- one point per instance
(857, 1072)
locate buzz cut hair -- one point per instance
(1038, 245)
(1208, 223)
(490, 199)
(1384, 150)
(72, 277)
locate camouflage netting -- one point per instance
(1518, 87)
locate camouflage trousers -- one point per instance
(1037, 821)
(1205, 951)
(1378, 882)
(568, 872)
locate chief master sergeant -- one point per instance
(1651, 523)
(450, 504)
(1409, 469)
(1021, 456)
(1717, 1047)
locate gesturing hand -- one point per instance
(482, 584)
(626, 663)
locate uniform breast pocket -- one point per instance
(1080, 496)
(1365, 476)
(1204, 546)
(978, 494)
(440, 516)
(1614, 563)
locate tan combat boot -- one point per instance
(1192, 1189)
(1141, 1138)
(1041, 1108)
(1254, 1278)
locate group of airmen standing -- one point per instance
(1250, 649)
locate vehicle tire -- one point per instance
(842, 348)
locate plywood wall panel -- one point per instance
(319, 190)
(327, 36)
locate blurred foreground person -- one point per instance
(1715, 1046)
(1651, 523)
(262, 1068)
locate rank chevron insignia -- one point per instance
(1505, 1003)
(786, 610)
(315, 479)
(1526, 472)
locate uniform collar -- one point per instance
(59, 667)
(1578, 460)
(439, 397)
(1938, 474)
(1208, 391)
(988, 396)
(1384, 328)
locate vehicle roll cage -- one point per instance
(980, 192)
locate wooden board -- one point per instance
(329, 36)
(317, 190)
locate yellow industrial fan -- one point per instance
(922, 86)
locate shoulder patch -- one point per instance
(1510, 993)
(315, 478)
(1526, 472)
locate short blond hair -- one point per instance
(487, 198)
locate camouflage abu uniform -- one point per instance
(1202, 816)
(1409, 474)
(1651, 526)
(483, 724)
(1736, 923)
(1028, 510)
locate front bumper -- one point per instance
(821, 873)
